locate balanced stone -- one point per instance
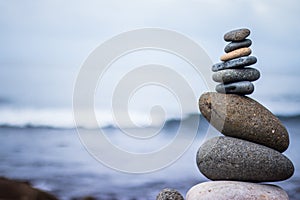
(228, 158)
(246, 51)
(242, 88)
(235, 190)
(235, 63)
(236, 45)
(237, 35)
(243, 117)
(169, 194)
(235, 75)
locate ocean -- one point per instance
(55, 160)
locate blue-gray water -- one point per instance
(54, 160)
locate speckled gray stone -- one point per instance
(236, 45)
(242, 117)
(237, 35)
(235, 63)
(241, 88)
(235, 75)
(169, 194)
(228, 158)
(235, 190)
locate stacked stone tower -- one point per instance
(250, 150)
(254, 139)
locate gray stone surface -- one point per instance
(237, 35)
(243, 117)
(235, 190)
(236, 45)
(227, 158)
(235, 63)
(169, 194)
(235, 75)
(241, 88)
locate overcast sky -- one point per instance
(53, 38)
(56, 31)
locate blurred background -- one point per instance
(44, 44)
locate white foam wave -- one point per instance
(63, 118)
(56, 118)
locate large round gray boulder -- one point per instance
(227, 158)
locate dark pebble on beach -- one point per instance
(169, 194)
(14, 189)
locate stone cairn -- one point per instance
(254, 139)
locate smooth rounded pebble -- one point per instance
(242, 117)
(235, 190)
(237, 35)
(246, 51)
(228, 158)
(241, 88)
(235, 75)
(236, 45)
(235, 63)
(169, 194)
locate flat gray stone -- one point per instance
(241, 88)
(235, 190)
(169, 194)
(236, 75)
(237, 35)
(237, 45)
(235, 63)
(228, 158)
(242, 117)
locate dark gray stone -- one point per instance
(242, 117)
(235, 75)
(236, 45)
(237, 35)
(169, 194)
(241, 88)
(235, 63)
(227, 158)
